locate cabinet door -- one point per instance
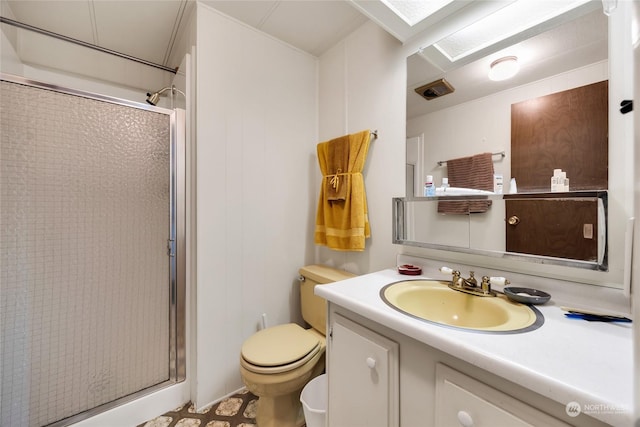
(363, 377)
(563, 228)
(464, 401)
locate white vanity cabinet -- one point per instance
(466, 402)
(380, 377)
(363, 376)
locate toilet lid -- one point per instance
(279, 345)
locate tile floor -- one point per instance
(235, 411)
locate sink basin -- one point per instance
(434, 301)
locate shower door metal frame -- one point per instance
(176, 241)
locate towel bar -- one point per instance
(499, 153)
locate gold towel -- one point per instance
(337, 166)
(344, 224)
(469, 172)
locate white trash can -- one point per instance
(314, 398)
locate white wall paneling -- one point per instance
(256, 126)
(362, 86)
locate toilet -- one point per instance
(277, 362)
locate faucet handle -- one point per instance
(501, 281)
(486, 284)
(455, 280)
(446, 270)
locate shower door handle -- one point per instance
(171, 247)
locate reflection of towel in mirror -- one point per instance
(336, 180)
(344, 224)
(469, 172)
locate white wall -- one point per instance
(256, 134)
(9, 61)
(362, 86)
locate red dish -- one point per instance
(410, 270)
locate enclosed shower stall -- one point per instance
(92, 289)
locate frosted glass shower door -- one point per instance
(85, 218)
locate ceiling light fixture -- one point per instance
(504, 68)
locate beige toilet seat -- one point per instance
(279, 349)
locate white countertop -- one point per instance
(566, 360)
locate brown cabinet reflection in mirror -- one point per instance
(567, 130)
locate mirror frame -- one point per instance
(399, 231)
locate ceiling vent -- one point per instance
(435, 89)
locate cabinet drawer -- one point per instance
(464, 401)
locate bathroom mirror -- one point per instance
(529, 227)
(570, 52)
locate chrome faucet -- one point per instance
(470, 285)
(460, 282)
(471, 281)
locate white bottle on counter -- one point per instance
(559, 181)
(445, 184)
(429, 188)
(497, 183)
(565, 182)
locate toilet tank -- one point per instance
(314, 308)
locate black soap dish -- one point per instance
(526, 295)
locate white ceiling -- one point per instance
(147, 29)
(311, 25)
